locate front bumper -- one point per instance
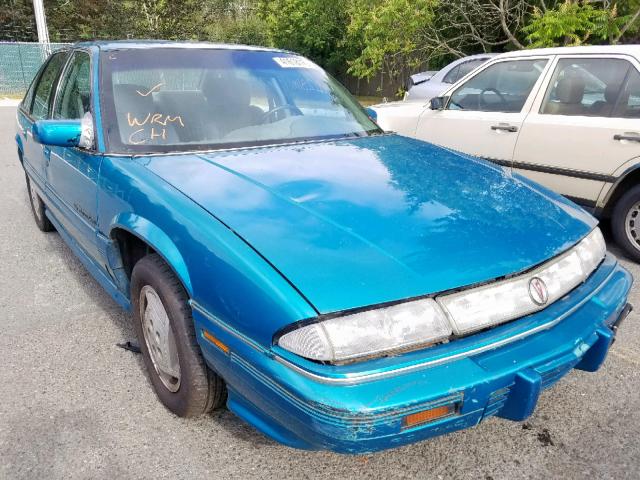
(360, 408)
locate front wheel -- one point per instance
(625, 223)
(165, 330)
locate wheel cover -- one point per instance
(35, 201)
(632, 225)
(159, 338)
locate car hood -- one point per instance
(399, 104)
(359, 222)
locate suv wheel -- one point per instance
(625, 223)
(165, 330)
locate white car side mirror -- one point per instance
(437, 103)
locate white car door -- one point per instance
(482, 115)
(583, 127)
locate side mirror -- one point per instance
(64, 133)
(57, 133)
(373, 115)
(437, 103)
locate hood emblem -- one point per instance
(538, 291)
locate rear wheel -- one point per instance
(625, 223)
(37, 207)
(165, 330)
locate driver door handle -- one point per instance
(631, 137)
(505, 128)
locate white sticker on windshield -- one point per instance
(294, 62)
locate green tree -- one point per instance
(382, 39)
(314, 28)
(217, 20)
(390, 34)
(573, 23)
(234, 21)
(70, 21)
(17, 22)
(630, 9)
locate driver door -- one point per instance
(484, 114)
(72, 173)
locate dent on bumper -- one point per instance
(302, 412)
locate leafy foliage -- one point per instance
(573, 23)
(313, 28)
(17, 22)
(381, 39)
(389, 32)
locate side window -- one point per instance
(501, 87)
(44, 87)
(73, 99)
(452, 75)
(461, 70)
(628, 105)
(466, 67)
(28, 98)
(586, 87)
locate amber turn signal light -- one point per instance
(215, 341)
(427, 416)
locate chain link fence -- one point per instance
(19, 62)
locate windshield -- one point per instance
(176, 99)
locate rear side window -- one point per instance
(628, 105)
(75, 89)
(28, 98)
(596, 87)
(44, 87)
(466, 67)
(501, 87)
(461, 70)
(451, 75)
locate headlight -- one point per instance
(591, 251)
(499, 302)
(423, 322)
(372, 332)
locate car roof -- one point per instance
(582, 50)
(457, 61)
(479, 55)
(142, 44)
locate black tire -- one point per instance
(37, 208)
(200, 390)
(622, 208)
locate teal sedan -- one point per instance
(335, 286)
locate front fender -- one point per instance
(152, 235)
(218, 269)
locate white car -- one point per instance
(426, 85)
(568, 118)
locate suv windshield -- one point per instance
(176, 99)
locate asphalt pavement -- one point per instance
(74, 405)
